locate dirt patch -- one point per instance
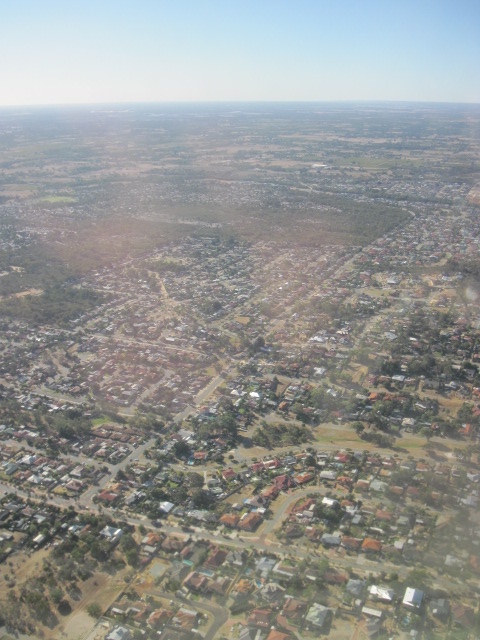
(22, 566)
(23, 294)
(358, 373)
(145, 582)
(239, 496)
(101, 589)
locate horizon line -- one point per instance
(231, 102)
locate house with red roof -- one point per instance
(283, 482)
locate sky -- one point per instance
(109, 51)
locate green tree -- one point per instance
(201, 499)
(94, 610)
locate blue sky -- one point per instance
(85, 51)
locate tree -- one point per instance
(201, 499)
(94, 610)
(296, 583)
(426, 432)
(57, 595)
(195, 480)
(359, 427)
(132, 557)
(181, 449)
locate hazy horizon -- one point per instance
(286, 103)
(85, 52)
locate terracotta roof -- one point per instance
(278, 635)
(250, 521)
(230, 519)
(369, 544)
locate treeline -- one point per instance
(57, 305)
(30, 267)
(275, 435)
(167, 266)
(468, 267)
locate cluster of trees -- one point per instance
(55, 306)
(57, 582)
(30, 266)
(274, 435)
(377, 437)
(331, 514)
(224, 425)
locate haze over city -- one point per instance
(56, 52)
(239, 320)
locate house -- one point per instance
(9, 468)
(362, 485)
(355, 587)
(329, 540)
(272, 592)
(372, 613)
(329, 502)
(413, 598)
(219, 586)
(463, 616)
(229, 474)
(235, 557)
(172, 544)
(318, 616)
(39, 539)
(351, 544)
(244, 633)
(230, 520)
(216, 558)
(328, 476)
(283, 482)
(345, 481)
(278, 635)
(260, 618)
(250, 521)
(185, 619)
(165, 507)
(271, 492)
(381, 594)
(332, 576)
(303, 478)
(119, 633)
(196, 582)
(111, 534)
(159, 618)
(370, 545)
(293, 608)
(272, 464)
(244, 586)
(440, 608)
(383, 515)
(378, 485)
(264, 565)
(107, 496)
(285, 570)
(257, 467)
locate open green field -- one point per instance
(377, 164)
(57, 200)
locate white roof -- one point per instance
(412, 597)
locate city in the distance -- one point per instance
(240, 371)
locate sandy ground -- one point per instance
(102, 589)
(22, 294)
(22, 566)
